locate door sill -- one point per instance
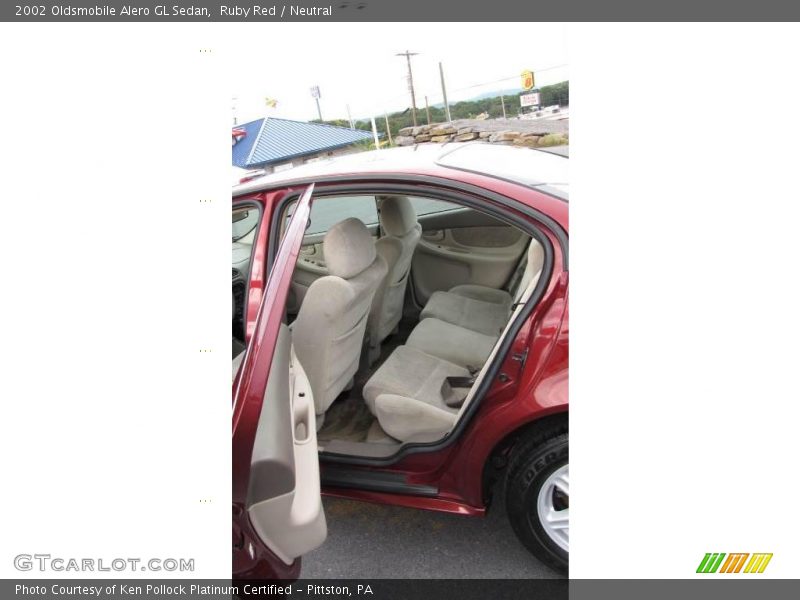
(359, 479)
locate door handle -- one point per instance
(435, 235)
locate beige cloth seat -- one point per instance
(328, 334)
(483, 309)
(401, 234)
(452, 343)
(455, 307)
(405, 395)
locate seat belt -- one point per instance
(456, 389)
(517, 275)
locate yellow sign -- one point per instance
(527, 80)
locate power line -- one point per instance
(508, 78)
(378, 105)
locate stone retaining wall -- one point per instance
(446, 132)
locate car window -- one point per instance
(326, 212)
(427, 206)
(244, 221)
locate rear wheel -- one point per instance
(537, 496)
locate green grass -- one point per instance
(553, 139)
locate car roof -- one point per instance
(560, 150)
(525, 166)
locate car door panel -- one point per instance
(283, 499)
(464, 247)
(310, 267)
(456, 218)
(501, 236)
(277, 505)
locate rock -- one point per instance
(422, 138)
(415, 131)
(485, 134)
(504, 136)
(406, 131)
(464, 130)
(443, 130)
(529, 140)
(403, 140)
(465, 137)
(440, 138)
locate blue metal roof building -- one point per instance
(268, 141)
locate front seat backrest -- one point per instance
(328, 333)
(401, 234)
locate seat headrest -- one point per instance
(398, 216)
(349, 248)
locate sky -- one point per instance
(355, 64)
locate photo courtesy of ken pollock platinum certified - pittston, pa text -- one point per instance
(193, 589)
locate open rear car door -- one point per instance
(277, 505)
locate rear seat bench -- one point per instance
(463, 324)
(410, 394)
(481, 308)
(405, 395)
(474, 307)
(455, 344)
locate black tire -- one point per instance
(532, 461)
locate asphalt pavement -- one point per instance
(368, 540)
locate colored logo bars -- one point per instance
(713, 562)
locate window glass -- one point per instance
(427, 206)
(244, 221)
(326, 212)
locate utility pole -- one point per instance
(234, 109)
(375, 134)
(388, 131)
(503, 104)
(427, 110)
(408, 56)
(444, 94)
(349, 118)
(315, 93)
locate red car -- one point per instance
(400, 335)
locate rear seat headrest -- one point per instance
(349, 248)
(398, 216)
